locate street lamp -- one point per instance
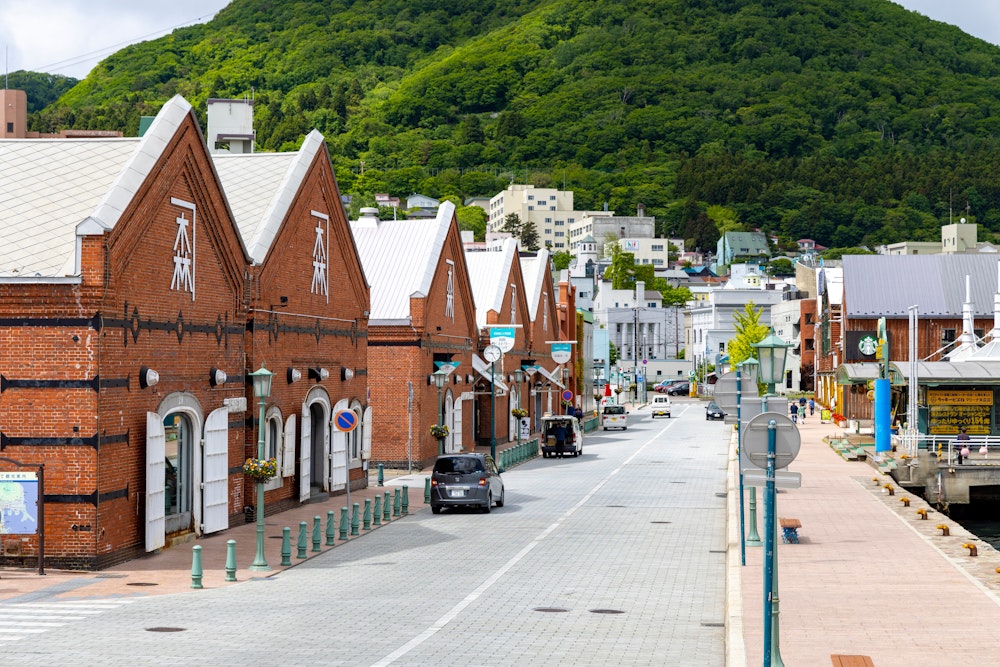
(262, 390)
(565, 376)
(440, 377)
(518, 379)
(598, 392)
(746, 375)
(771, 351)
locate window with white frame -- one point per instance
(274, 433)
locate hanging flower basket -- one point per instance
(260, 470)
(439, 431)
(519, 412)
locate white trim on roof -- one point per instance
(446, 211)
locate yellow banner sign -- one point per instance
(947, 397)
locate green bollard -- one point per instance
(196, 566)
(302, 540)
(286, 546)
(316, 533)
(377, 512)
(366, 519)
(231, 560)
(395, 503)
(381, 475)
(386, 508)
(331, 528)
(427, 491)
(355, 518)
(406, 500)
(345, 523)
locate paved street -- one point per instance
(613, 558)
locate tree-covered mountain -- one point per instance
(845, 121)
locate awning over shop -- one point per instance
(928, 372)
(483, 369)
(551, 377)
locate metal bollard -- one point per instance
(377, 511)
(427, 491)
(395, 502)
(331, 528)
(345, 523)
(231, 560)
(406, 500)
(286, 547)
(355, 518)
(386, 509)
(196, 566)
(366, 518)
(302, 540)
(316, 532)
(381, 475)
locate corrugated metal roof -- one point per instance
(399, 258)
(253, 182)
(534, 279)
(886, 285)
(489, 274)
(49, 186)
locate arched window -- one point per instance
(274, 435)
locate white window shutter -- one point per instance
(305, 451)
(215, 470)
(288, 448)
(366, 434)
(156, 495)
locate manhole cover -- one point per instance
(141, 583)
(165, 629)
(551, 609)
(614, 506)
(713, 625)
(721, 495)
(606, 611)
(716, 551)
(659, 521)
(675, 482)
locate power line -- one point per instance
(107, 50)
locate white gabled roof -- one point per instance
(260, 188)
(399, 258)
(532, 270)
(489, 273)
(51, 187)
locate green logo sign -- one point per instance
(868, 345)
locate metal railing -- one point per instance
(948, 447)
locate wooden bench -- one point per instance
(790, 530)
(851, 661)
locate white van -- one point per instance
(661, 405)
(614, 416)
(573, 444)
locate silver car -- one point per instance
(466, 480)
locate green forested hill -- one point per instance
(846, 121)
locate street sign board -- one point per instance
(754, 447)
(502, 337)
(562, 352)
(345, 420)
(782, 479)
(567, 395)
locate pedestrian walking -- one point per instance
(559, 432)
(578, 413)
(802, 409)
(794, 410)
(962, 445)
(812, 407)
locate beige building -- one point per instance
(549, 209)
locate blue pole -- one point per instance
(883, 416)
(739, 463)
(769, 525)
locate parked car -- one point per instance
(713, 411)
(466, 480)
(661, 406)
(679, 389)
(662, 386)
(614, 416)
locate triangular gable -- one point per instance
(490, 276)
(457, 312)
(542, 297)
(171, 178)
(275, 184)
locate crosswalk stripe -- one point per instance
(20, 619)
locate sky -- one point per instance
(71, 36)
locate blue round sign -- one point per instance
(567, 395)
(345, 420)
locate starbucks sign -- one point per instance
(867, 346)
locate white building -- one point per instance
(549, 209)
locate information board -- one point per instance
(18, 503)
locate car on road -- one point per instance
(614, 416)
(466, 480)
(679, 389)
(572, 431)
(714, 412)
(660, 406)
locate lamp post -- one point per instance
(772, 354)
(746, 373)
(440, 377)
(518, 379)
(597, 383)
(565, 376)
(262, 390)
